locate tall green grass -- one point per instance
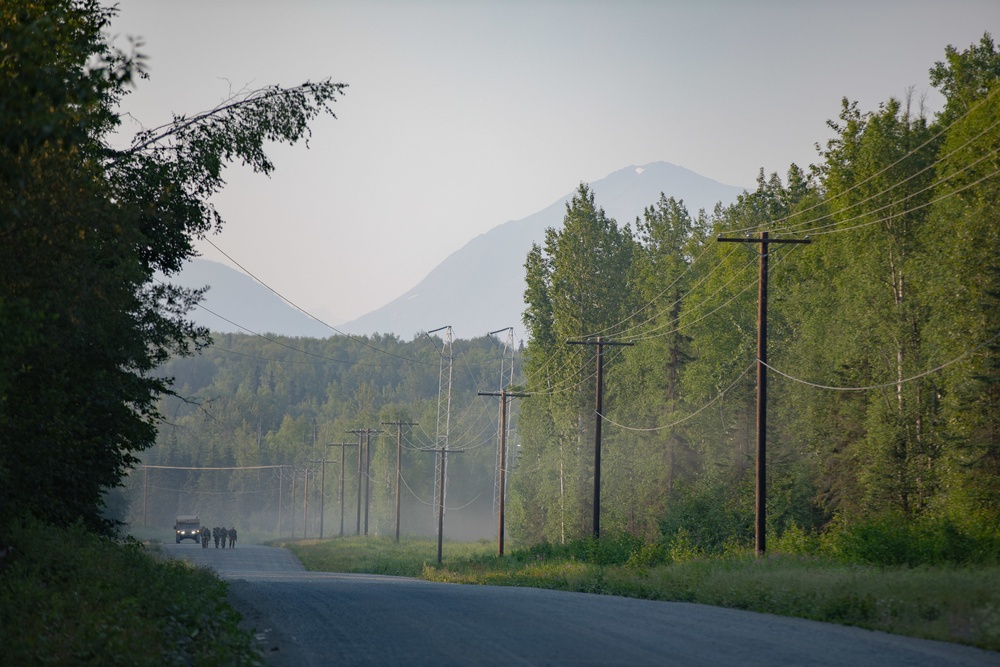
(380, 555)
(69, 597)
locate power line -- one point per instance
(305, 312)
(905, 157)
(684, 419)
(214, 468)
(895, 383)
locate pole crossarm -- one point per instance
(764, 241)
(215, 468)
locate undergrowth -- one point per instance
(69, 597)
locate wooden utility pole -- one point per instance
(343, 448)
(305, 503)
(504, 395)
(760, 527)
(599, 417)
(364, 435)
(360, 444)
(442, 451)
(399, 462)
(322, 493)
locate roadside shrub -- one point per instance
(68, 596)
(893, 540)
(649, 555)
(714, 517)
(795, 541)
(682, 548)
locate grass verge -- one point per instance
(957, 604)
(69, 597)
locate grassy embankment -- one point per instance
(68, 597)
(950, 603)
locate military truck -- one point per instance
(187, 527)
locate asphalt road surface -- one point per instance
(313, 618)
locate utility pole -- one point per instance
(145, 483)
(322, 496)
(366, 433)
(305, 503)
(322, 492)
(343, 448)
(292, 505)
(443, 451)
(399, 462)
(599, 417)
(506, 380)
(360, 444)
(504, 395)
(760, 528)
(444, 396)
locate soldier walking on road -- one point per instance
(232, 538)
(215, 534)
(205, 535)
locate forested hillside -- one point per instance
(884, 393)
(248, 403)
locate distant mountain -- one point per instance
(480, 287)
(238, 297)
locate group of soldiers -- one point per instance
(220, 535)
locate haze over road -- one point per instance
(315, 618)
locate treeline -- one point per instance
(90, 224)
(884, 398)
(247, 403)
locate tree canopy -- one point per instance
(85, 229)
(885, 330)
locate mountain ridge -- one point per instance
(500, 252)
(476, 289)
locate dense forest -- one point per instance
(268, 422)
(884, 396)
(883, 357)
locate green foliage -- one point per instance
(61, 604)
(966, 77)
(84, 229)
(382, 555)
(892, 540)
(886, 326)
(712, 519)
(609, 550)
(250, 401)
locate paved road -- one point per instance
(310, 618)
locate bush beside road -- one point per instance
(70, 597)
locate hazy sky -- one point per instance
(463, 115)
